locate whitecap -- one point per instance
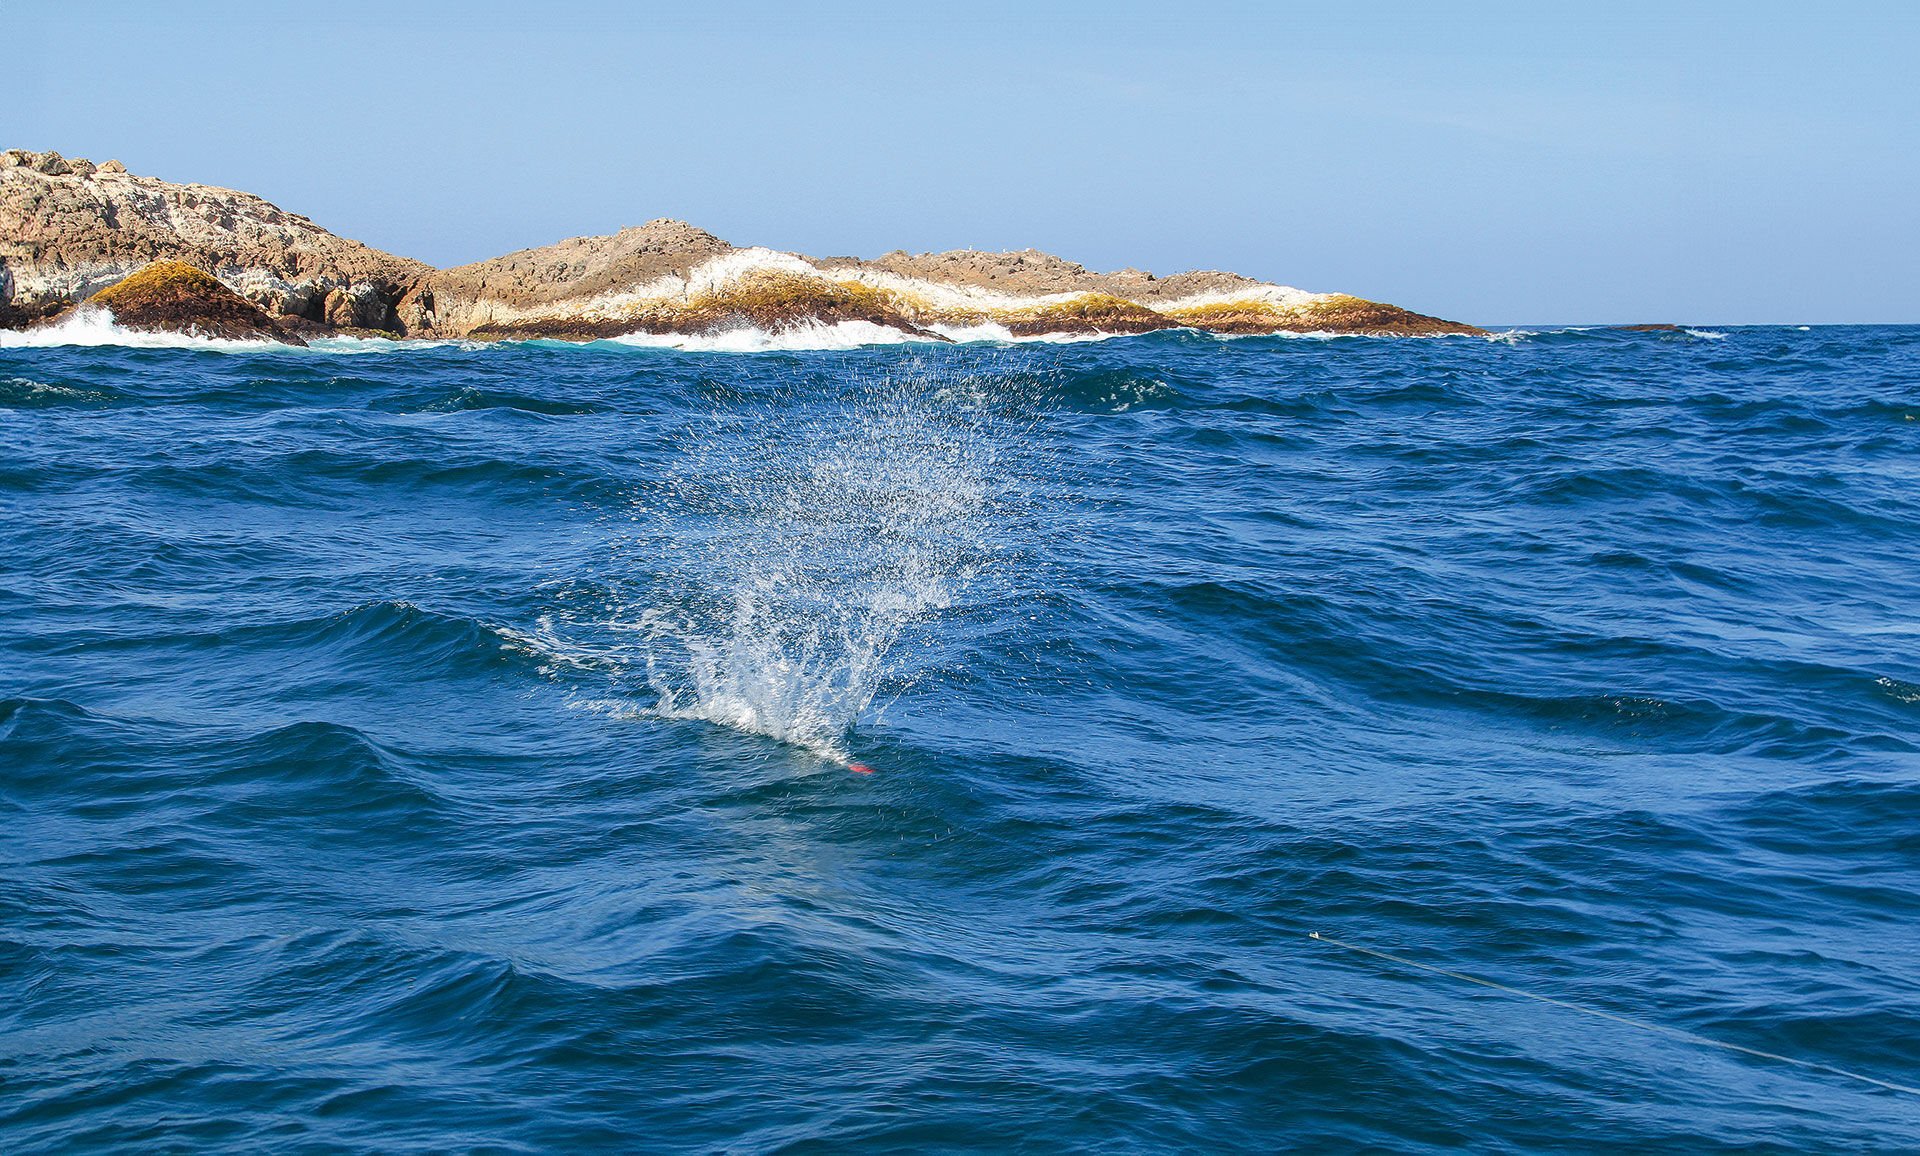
(993, 331)
(808, 336)
(96, 327)
(814, 336)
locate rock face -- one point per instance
(668, 277)
(175, 297)
(69, 227)
(551, 288)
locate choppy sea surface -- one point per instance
(540, 748)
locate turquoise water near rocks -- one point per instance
(446, 749)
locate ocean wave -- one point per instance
(993, 331)
(376, 636)
(848, 335)
(455, 737)
(808, 337)
(392, 628)
(1514, 335)
(816, 337)
(26, 393)
(96, 327)
(306, 478)
(317, 771)
(473, 398)
(344, 344)
(21, 712)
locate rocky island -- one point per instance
(157, 255)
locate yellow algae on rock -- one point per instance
(175, 297)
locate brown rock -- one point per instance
(338, 309)
(69, 228)
(174, 297)
(65, 233)
(575, 271)
(415, 311)
(1334, 313)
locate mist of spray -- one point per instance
(805, 548)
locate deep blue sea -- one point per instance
(541, 748)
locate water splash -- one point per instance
(798, 556)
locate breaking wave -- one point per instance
(93, 327)
(818, 337)
(96, 328)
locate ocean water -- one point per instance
(541, 748)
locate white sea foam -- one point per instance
(945, 295)
(814, 335)
(1281, 296)
(16, 389)
(718, 274)
(810, 335)
(96, 327)
(1709, 334)
(710, 276)
(996, 332)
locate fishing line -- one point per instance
(1676, 1033)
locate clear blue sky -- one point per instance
(1524, 162)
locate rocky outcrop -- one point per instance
(668, 277)
(574, 288)
(1031, 273)
(70, 227)
(175, 297)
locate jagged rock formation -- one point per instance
(69, 227)
(175, 297)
